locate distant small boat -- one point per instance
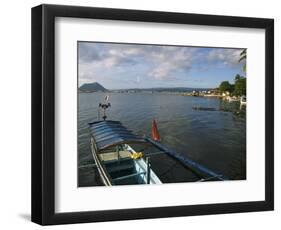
(243, 100)
(203, 108)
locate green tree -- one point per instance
(237, 77)
(225, 86)
(240, 85)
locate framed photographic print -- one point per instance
(142, 114)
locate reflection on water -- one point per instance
(216, 139)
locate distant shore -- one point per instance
(199, 94)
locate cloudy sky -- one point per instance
(120, 66)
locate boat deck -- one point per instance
(122, 169)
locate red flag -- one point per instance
(154, 132)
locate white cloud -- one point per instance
(161, 62)
(228, 57)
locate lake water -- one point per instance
(216, 139)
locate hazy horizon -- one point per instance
(165, 87)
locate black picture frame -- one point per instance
(43, 114)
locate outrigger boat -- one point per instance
(117, 161)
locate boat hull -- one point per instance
(121, 169)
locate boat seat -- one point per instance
(113, 156)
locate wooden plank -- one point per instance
(111, 156)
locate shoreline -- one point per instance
(190, 94)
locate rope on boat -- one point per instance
(154, 153)
(136, 155)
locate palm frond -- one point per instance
(242, 58)
(243, 55)
(244, 67)
(243, 52)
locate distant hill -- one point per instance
(92, 87)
